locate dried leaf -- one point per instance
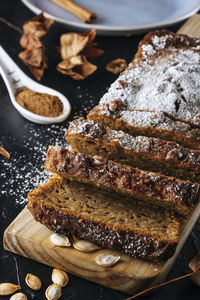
(91, 52)
(66, 66)
(83, 71)
(34, 55)
(78, 67)
(75, 49)
(194, 264)
(30, 41)
(37, 26)
(72, 44)
(35, 60)
(91, 34)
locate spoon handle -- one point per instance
(9, 72)
(5, 73)
(7, 62)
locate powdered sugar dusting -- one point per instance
(92, 130)
(82, 108)
(159, 43)
(86, 127)
(25, 171)
(171, 83)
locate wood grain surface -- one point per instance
(28, 238)
(192, 26)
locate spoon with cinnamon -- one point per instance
(15, 79)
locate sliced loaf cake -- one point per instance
(147, 123)
(98, 172)
(135, 230)
(147, 153)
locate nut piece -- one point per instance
(106, 260)
(85, 246)
(8, 288)
(33, 282)
(53, 292)
(60, 240)
(60, 277)
(116, 66)
(19, 296)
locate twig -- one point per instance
(161, 284)
(11, 25)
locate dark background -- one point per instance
(27, 143)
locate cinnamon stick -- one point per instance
(84, 14)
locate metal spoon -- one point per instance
(15, 79)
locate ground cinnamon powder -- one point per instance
(39, 103)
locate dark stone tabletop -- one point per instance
(27, 144)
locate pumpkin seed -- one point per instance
(85, 246)
(33, 282)
(8, 288)
(60, 240)
(19, 296)
(60, 277)
(106, 260)
(53, 292)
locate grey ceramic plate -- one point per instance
(121, 17)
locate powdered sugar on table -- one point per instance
(22, 173)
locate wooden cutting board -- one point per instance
(28, 238)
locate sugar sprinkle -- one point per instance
(25, 171)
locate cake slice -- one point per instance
(153, 154)
(135, 230)
(163, 77)
(149, 123)
(98, 172)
